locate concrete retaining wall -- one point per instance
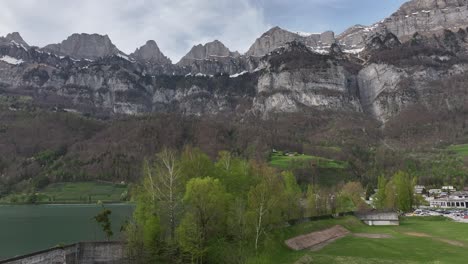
(80, 253)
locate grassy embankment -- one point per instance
(280, 160)
(460, 150)
(327, 172)
(416, 240)
(79, 192)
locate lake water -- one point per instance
(28, 228)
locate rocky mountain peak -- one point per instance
(150, 52)
(426, 17)
(277, 37)
(14, 38)
(85, 46)
(211, 50)
(427, 6)
(271, 40)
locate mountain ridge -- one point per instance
(381, 75)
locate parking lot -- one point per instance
(458, 215)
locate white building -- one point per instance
(434, 192)
(454, 200)
(448, 188)
(376, 218)
(419, 189)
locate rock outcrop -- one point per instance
(151, 53)
(211, 50)
(278, 37)
(213, 58)
(425, 17)
(85, 46)
(14, 39)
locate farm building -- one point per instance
(378, 218)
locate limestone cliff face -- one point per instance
(426, 17)
(399, 59)
(400, 75)
(378, 87)
(320, 82)
(85, 46)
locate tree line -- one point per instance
(190, 209)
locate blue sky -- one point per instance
(318, 15)
(177, 25)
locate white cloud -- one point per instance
(175, 25)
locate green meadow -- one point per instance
(73, 192)
(283, 161)
(416, 240)
(460, 150)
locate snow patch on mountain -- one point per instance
(11, 60)
(238, 74)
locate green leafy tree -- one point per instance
(165, 183)
(144, 231)
(390, 196)
(264, 202)
(311, 201)
(104, 221)
(235, 173)
(205, 218)
(292, 195)
(195, 164)
(404, 186)
(380, 197)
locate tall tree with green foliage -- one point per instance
(166, 185)
(404, 186)
(292, 195)
(264, 202)
(206, 202)
(391, 201)
(143, 233)
(195, 164)
(351, 195)
(381, 195)
(234, 172)
(311, 201)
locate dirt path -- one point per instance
(448, 241)
(376, 236)
(415, 234)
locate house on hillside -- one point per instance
(379, 218)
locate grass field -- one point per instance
(416, 240)
(77, 192)
(461, 150)
(278, 159)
